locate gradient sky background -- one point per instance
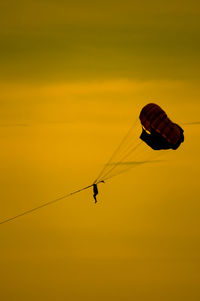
(73, 78)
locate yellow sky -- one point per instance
(73, 79)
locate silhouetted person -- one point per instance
(95, 191)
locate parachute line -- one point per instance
(46, 204)
(122, 159)
(116, 151)
(191, 123)
(150, 159)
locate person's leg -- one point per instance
(95, 198)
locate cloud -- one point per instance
(136, 162)
(14, 125)
(81, 40)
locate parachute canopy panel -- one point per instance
(159, 132)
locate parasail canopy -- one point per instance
(159, 132)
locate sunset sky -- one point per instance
(73, 79)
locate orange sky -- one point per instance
(73, 80)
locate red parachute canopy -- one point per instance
(155, 121)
